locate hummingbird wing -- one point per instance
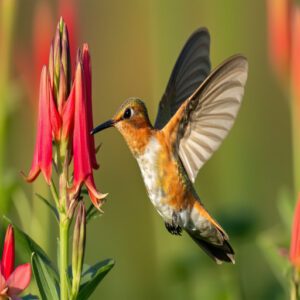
(208, 115)
(191, 68)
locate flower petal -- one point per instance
(86, 62)
(8, 255)
(82, 163)
(68, 115)
(3, 285)
(279, 35)
(19, 279)
(295, 62)
(42, 159)
(54, 116)
(95, 195)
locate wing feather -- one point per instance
(210, 113)
(190, 70)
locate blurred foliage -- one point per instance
(134, 45)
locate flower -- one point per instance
(295, 239)
(65, 118)
(42, 158)
(83, 150)
(54, 90)
(12, 280)
(279, 35)
(295, 58)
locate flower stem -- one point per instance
(64, 223)
(54, 194)
(64, 250)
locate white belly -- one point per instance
(148, 164)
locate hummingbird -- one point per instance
(195, 114)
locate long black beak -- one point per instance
(103, 126)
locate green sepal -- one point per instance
(92, 276)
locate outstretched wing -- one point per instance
(191, 68)
(210, 113)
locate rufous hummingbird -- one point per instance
(195, 114)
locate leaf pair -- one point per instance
(46, 274)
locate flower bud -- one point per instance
(60, 60)
(78, 247)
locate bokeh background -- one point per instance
(134, 45)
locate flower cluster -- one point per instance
(12, 280)
(65, 119)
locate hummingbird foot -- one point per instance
(173, 227)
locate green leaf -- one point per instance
(45, 278)
(52, 208)
(92, 277)
(27, 246)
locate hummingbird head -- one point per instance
(132, 121)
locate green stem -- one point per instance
(54, 194)
(64, 222)
(64, 226)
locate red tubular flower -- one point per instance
(295, 59)
(83, 173)
(65, 116)
(12, 281)
(8, 255)
(42, 160)
(86, 62)
(295, 239)
(279, 35)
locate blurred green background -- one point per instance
(134, 45)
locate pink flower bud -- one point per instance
(8, 254)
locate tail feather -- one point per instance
(219, 254)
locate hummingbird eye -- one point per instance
(128, 113)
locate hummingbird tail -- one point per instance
(219, 254)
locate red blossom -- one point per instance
(295, 54)
(279, 35)
(65, 115)
(86, 62)
(42, 159)
(295, 239)
(12, 281)
(83, 172)
(8, 254)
